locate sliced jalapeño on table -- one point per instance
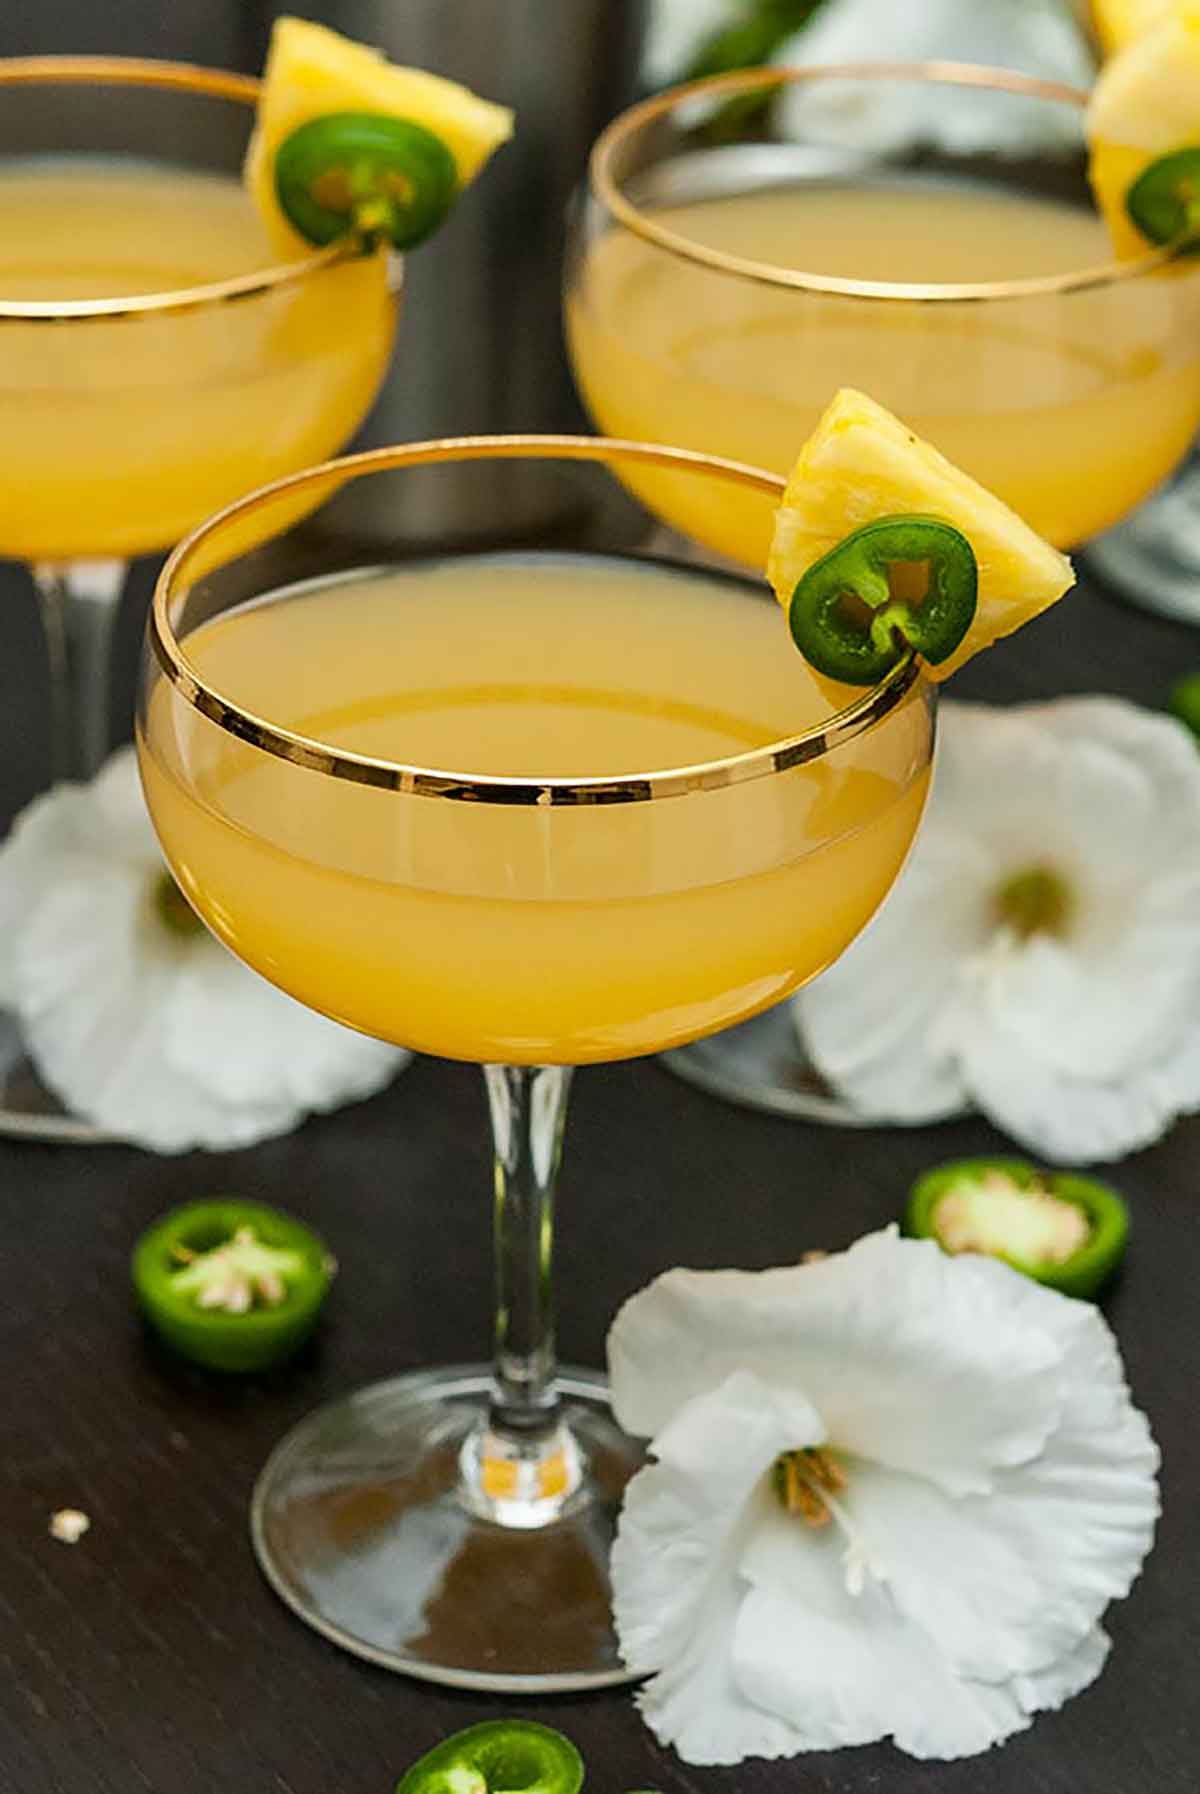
(231, 1285)
(501, 1756)
(1066, 1231)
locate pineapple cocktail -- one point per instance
(176, 329)
(719, 288)
(535, 807)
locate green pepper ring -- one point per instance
(515, 1755)
(1085, 1271)
(370, 148)
(1164, 201)
(840, 647)
(214, 1337)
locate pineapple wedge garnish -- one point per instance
(1118, 22)
(860, 464)
(312, 71)
(1146, 102)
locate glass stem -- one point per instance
(79, 601)
(521, 1464)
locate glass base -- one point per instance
(761, 1064)
(28, 1109)
(361, 1524)
(1153, 558)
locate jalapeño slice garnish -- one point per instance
(1164, 201)
(365, 173)
(501, 1756)
(849, 622)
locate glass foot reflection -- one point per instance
(761, 1064)
(360, 1525)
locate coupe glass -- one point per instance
(156, 360)
(751, 242)
(535, 896)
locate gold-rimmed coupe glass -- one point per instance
(156, 359)
(531, 805)
(924, 233)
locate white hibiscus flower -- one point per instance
(1038, 37)
(893, 1493)
(1040, 956)
(134, 1014)
(676, 31)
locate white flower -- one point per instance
(968, 1438)
(677, 29)
(155, 1033)
(1037, 37)
(1040, 954)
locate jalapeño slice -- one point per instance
(365, 173)
(232, 1285)
(1072, 1239)
(1164, 201)
(848, 623)
(501, 1756)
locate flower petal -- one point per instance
(1079, 1046)
(1043, 40)
(1074, 1120)
(158, 1038)
(868, 1021)
(92, 1002)
(901, 1341)
(1009, 1583)
(842, 1669)
(1061, 1681)
(676, 1581)
(279, 1055)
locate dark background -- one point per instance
(150, 1657)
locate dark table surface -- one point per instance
(151, 1658)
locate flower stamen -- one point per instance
(803, 1480)
(1036, 900)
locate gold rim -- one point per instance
(131, 71)
(605, 185)
(365, 769)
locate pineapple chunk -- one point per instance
(1145, 103)
(312, 71)
(1118, 22)
(861, 463)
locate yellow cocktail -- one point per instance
(422, 922)
(720, 289)
(531, 808)
(126, 430)
(157, 358)
(927, 235)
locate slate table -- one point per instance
(151, 1658)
